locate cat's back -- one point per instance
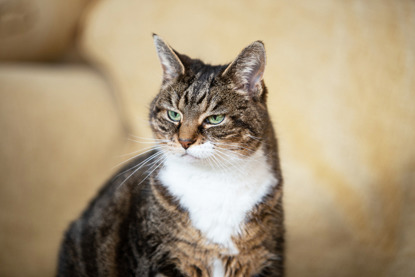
(100, 235)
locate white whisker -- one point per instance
(142, 142)
(229, 159)
(141, 163)
(136, 156)
(218, 165)
(210, 161)
(139, 166)
(148, 139)
(255, 138)
(160, 161)
(140, 150)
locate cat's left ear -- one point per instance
(170, 62)
(247, 70)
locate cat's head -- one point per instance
(207, 113)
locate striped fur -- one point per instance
(150, 227)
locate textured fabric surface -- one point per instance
(341, 82)
(60, 137)
(35, 30)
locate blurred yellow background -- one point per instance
(77, 77)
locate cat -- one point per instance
(207, 201)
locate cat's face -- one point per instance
(205, 113)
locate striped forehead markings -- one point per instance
(197, 90)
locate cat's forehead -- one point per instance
(200, 84)
(198, 92)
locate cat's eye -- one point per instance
(215, 119)
(174, 116)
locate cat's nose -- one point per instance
(186, 142)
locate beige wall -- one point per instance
(341, 77)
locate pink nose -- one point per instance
(186, 142)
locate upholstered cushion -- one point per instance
(34, 30)
(61, 137)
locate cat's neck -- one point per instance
(219, 199)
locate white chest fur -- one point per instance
(218, 200)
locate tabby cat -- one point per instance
(207, 201)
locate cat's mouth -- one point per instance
(189, 157)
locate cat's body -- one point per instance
(212, 202)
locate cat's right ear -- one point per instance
(247, 70)
(170, 62)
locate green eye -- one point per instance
(215, 119)
(174, 116)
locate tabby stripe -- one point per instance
(201, 98)
(163, 128)
(171, 100)
(123, 252)
(219, 103)
(89, 251)
(177, 99)
(243, 124)
(186, 97)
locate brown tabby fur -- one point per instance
(136, 227)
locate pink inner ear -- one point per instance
(164, 68)
(248, 68)
(255, 78)
(170, 69)
(168, 73)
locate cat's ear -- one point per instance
(170, 62)
(247, 70)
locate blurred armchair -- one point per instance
(61, 131)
